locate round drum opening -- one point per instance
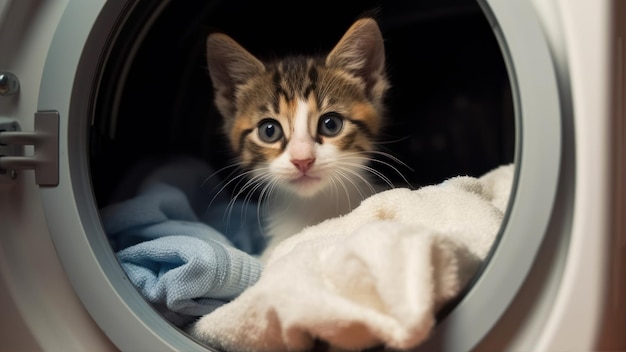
(450, 110)
(449, 107)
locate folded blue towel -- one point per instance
(182, 265)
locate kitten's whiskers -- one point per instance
(360, 156)
(346, 172)
(345, 189)
(235, 165)
(249, 187)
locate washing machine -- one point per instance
(90, 87)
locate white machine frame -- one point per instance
(555, 280)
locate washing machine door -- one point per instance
(75, 60)
(71, 70)
(543, 181)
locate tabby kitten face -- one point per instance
(303, 123)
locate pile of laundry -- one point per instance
(376, 276)
(183, 244)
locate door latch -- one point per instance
(45, 140)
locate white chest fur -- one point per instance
(290, 214)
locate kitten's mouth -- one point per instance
(304, 180)
(306, 185)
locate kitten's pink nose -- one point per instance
(303, 165)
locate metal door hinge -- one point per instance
(45, 139)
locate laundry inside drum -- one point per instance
(179, 212)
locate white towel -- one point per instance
(376, 276)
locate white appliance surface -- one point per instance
(577, 304)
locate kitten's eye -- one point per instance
(330, 124)
(270, 130)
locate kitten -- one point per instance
(303, 127)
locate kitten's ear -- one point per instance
(361, 51)
(229, 66)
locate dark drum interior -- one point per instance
(450, 105)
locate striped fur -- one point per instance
(297, 95)
(349, 81)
